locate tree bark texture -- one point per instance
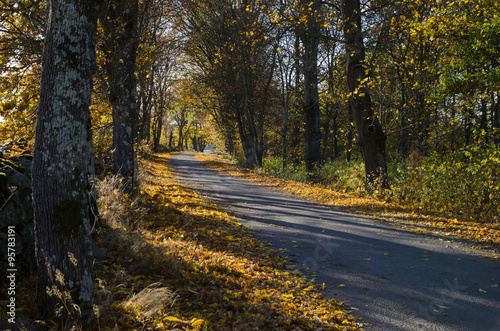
(370, 133)
(310, 40)
(146, 96)
(63, 166)
(119, 19)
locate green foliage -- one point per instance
(470, 64)
(273, 166)
(20, 58)
(348, 176)
(465, 184)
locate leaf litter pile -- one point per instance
(482, 235)
(188, 265)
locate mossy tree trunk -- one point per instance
(371, 136)
(63, 164)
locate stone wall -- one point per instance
(16, 208)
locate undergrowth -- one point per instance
(463, 185)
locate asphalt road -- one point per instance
(393, 279)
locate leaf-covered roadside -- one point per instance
(221, 276)
(413, 218)
(173, 260)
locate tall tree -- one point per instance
(310, 35)
(63, 166)
(162, 100)
(119, 19)
(371, 136)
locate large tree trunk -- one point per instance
(310, 39)
(248, 142)
(370, 134)
(63, 166)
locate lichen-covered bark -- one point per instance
(370, 133)
(63, 164)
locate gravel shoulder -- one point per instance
(393, 279)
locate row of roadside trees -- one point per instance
(306, 80)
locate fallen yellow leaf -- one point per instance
(443, 307)
(172, 319)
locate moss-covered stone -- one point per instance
(8, 163)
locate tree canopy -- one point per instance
(267, 79)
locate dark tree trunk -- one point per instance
(194, 141)
(171, 138)
(146, 106)
(248, 129)
(157, 130)
(63, 166)
(119, 18)
(310, 39)
(160, 106)
(495, 117)
(229, 139)
(180, 141)
(350, 134)
(248, 141)
(370, 134)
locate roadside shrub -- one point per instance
(348, 176)
(344, 175)
(465, 184)
(273, 166)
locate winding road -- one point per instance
(393, 279)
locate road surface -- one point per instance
(393, 279)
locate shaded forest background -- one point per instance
(265, 82)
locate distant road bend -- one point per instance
(394, 279)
